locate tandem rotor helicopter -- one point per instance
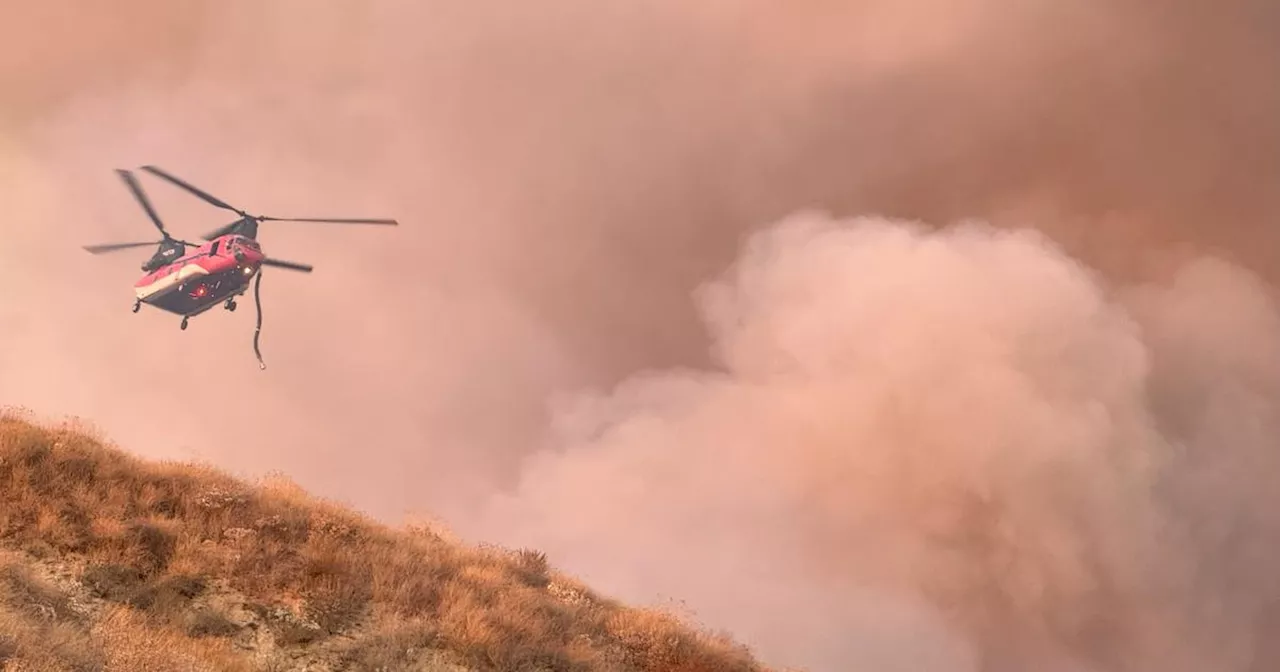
(189, 282)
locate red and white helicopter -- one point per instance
(188, 283)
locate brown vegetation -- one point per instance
(108, 562)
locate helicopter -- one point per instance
(189, 279)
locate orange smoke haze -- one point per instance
(855, 440)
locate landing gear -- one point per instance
(230, 305)
(184, 324)
(137, 305)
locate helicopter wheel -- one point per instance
(137, 305)
(230, 305)
(184, 324)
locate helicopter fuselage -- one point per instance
(216, 272)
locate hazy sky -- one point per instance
(968, 431)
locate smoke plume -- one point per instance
(1072, 477)
(1007, 406)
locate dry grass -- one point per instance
(175, 566)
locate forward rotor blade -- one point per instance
(132, 183)
(99, 249)
(293, 266)
(208, 198)
(385, 222)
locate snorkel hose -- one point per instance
(257, 332)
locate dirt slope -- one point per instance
(109, 563)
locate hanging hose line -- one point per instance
(257, 332)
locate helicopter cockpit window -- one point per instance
(213, 249)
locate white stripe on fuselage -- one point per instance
(169, 282)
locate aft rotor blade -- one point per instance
(293, 266)
(222, 231)
(208, 198)
(99, 249)
(132, 183)
(385, 222)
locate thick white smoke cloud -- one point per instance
(967, 419)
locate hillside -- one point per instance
(108, 562)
